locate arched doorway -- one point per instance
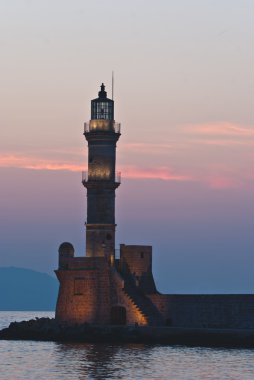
(118, 315)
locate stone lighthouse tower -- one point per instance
(101, 180)
(98, 287)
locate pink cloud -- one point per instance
(204, 166)
(220, 182)
(162, 173)
(155, 148)
(221, 128)
(35, 163)
(223, 142)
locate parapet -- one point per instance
(138, 258)
(66, 251)
(136, 263)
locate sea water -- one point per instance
(52, 361)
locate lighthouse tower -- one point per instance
(101, 180)
(100, 288)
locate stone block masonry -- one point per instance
(92, 291)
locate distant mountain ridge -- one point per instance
(26, 290)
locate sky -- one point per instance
(183, 94)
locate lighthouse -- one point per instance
(101, 179)
(98, 287)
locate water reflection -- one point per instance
(55, 361)
(102, 361)
(28, 360)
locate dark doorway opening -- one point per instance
(118, 315)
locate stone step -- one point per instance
(144, 305)
(139, 300)
(136, 305)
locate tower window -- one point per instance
(79, 286)
(102, 110)
(142, 255)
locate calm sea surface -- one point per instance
(51, 361)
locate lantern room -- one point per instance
(102, 108)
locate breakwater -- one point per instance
(48, 329)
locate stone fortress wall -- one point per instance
(93, 291)
(97, 291)
(235, 311)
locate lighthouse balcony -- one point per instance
(100, 176)
(102, 125)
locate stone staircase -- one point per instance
(142, 303)
(118, 281)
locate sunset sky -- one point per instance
(184, 90)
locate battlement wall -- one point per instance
(73, 263)
(84, 294)
(137, 257)
(91, 291)
(136, 260)
(235, 311)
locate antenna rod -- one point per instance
(112, 85)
